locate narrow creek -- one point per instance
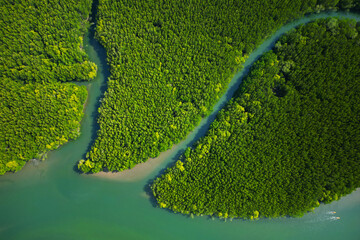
(52, 201)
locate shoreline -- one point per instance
(141, 170)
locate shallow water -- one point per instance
(51, 201)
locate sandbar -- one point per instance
(141, 170)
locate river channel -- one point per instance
(50, 200)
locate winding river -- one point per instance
(49, 200)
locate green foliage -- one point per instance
(40, 45)
(85, 166)
(37, 118)
(287, 140)
(40, 40)
(170, 61)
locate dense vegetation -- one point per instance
(289, 138)
(40, 45)
(36, 118)
(41, 40)
(170, 61)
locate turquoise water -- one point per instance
(49, 200)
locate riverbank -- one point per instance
(149, 167)
(141, 170)
(52, 200)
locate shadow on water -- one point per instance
(104, 70)
(100, 81)
(106, 73)
(93, 19)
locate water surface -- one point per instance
(50, 200)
